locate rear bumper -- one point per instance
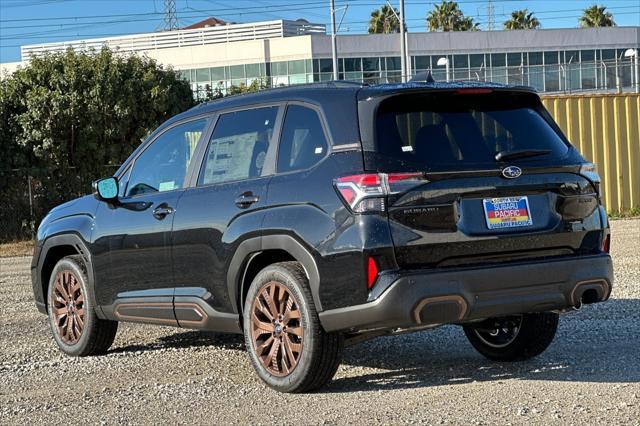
(424, 298)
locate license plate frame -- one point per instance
(507, 212)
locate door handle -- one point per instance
(162, 211)
(245, 200)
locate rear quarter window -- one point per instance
(445, 131)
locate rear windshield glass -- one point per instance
(445, 131)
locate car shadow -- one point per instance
(599, 343)
(188, 339)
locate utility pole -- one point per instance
(403, 44)
(334, 41)
(170, 21)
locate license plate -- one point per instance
(507, 212)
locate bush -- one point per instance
(69, 118)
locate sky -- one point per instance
(41, 21)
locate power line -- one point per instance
(19, 37)
(205, 12)
(231, 12)
(151, 16)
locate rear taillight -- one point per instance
(606, 244)
(367, 192)
(372, 272)
(590, 171)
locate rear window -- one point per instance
(459, 131)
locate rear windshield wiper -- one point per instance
(522, 153)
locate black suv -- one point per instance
(314, 217)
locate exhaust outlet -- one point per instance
(587, 292)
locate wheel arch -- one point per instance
(255, 254)
(56, 248)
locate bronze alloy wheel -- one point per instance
(68, 307)
(276, 329)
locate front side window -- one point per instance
(163, 165)
(238, 146)
(303, 142)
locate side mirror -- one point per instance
(106, 189)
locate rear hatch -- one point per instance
(489, 178)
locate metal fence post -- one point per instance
(31, 219)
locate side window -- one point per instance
(303, 142)
(162, 166)
(238, 146)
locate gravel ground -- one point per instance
(589, 375)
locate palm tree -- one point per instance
(384, 21)
(522, 20)
(447, 16)
(595, 16)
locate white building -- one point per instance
(292, 52)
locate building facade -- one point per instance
(293, 52)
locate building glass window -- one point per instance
(371, 70)
(422, 62)
(476, 61)
(477, 70)
(625, 65)
(514, 59)
(326, 65)
(550, 58)
(217, 74)
(237, 72)
(203, 76)
(353, 76)
(297, 67)
(535, 74)
(254, 70)
(393, 63)
(279, 68)
(535, 58)
(371, 64)
(498, 60)
(515, 71)
(607, 68)
(461, 67)
(352, 64)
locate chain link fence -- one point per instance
(28, 194)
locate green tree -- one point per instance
(384, 21)
(447, 16)
(66, 116)
(255, 86)
(522, 20)
(596, 16)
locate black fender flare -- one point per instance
(74, 240)
(247, 250)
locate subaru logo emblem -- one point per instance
(511, 172)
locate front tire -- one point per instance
(286, 343)
(516, 338)
(74, 324)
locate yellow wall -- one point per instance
(605, 129)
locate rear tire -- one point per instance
(72, 317)
(286, 343)
(510, 339)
